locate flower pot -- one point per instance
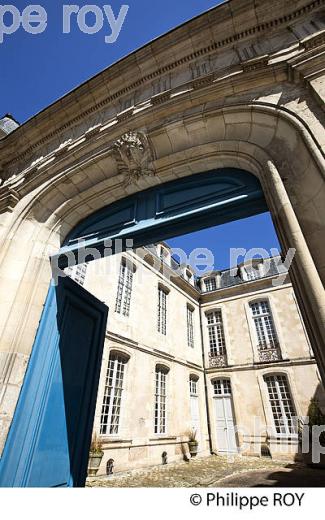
(94, 463)
(193, 448)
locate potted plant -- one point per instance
(95, 455)
(192, 442)
(316, 418)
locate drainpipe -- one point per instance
(205, 384)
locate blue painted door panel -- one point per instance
(173, 208)
(49, 439)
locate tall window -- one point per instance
(111, 408)
(190, 327)
(160, 399)
(194, 403)
(162, 310)
(124, 289)
(77, 273)
(281, 404)
(210, 284)
(264, 324)
(216, 333)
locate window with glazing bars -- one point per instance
(112, 400)
(252, 273)
(216, 333)
(162, 311)
(160, 400)
(190, 327)
(222, 386)
(264, 324)
(193, 386)
(77, 273)
(124, 289)
(282, 406)
(210, 284)
(194, 404)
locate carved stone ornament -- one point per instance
(133, 156)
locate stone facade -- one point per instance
(135, 337)
(245, 90)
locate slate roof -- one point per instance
(231, 277)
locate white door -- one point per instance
(195, 414)
(225, 423)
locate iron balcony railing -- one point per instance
(269, 351)
(217, 360)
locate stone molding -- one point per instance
(8, 199)
(258, 63)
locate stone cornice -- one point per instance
(236, 73)
(246, 289)
(311, 62)
(263, 365)
(126, 342)
(229, 12)
(8, 199)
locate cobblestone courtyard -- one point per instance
(217, 471)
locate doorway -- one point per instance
(224, 417)
(159, 213)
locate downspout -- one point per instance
(205, 384)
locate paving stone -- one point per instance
(201, 472)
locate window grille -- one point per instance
(190, 327)
(193, 386)
(222, 386)
(216, 333)
(264, 324)
(124, 289)
(281, 404)
(162, 311)
(160, 400)
(111, 408)
(252, 273)
(210, 284)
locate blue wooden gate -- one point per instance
(49, 440)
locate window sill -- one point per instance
(283, 436)
(161, 437)
(114, 440)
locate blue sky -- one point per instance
(250, 233)
(36, 70)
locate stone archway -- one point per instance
(262, 115)
(46, 218)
